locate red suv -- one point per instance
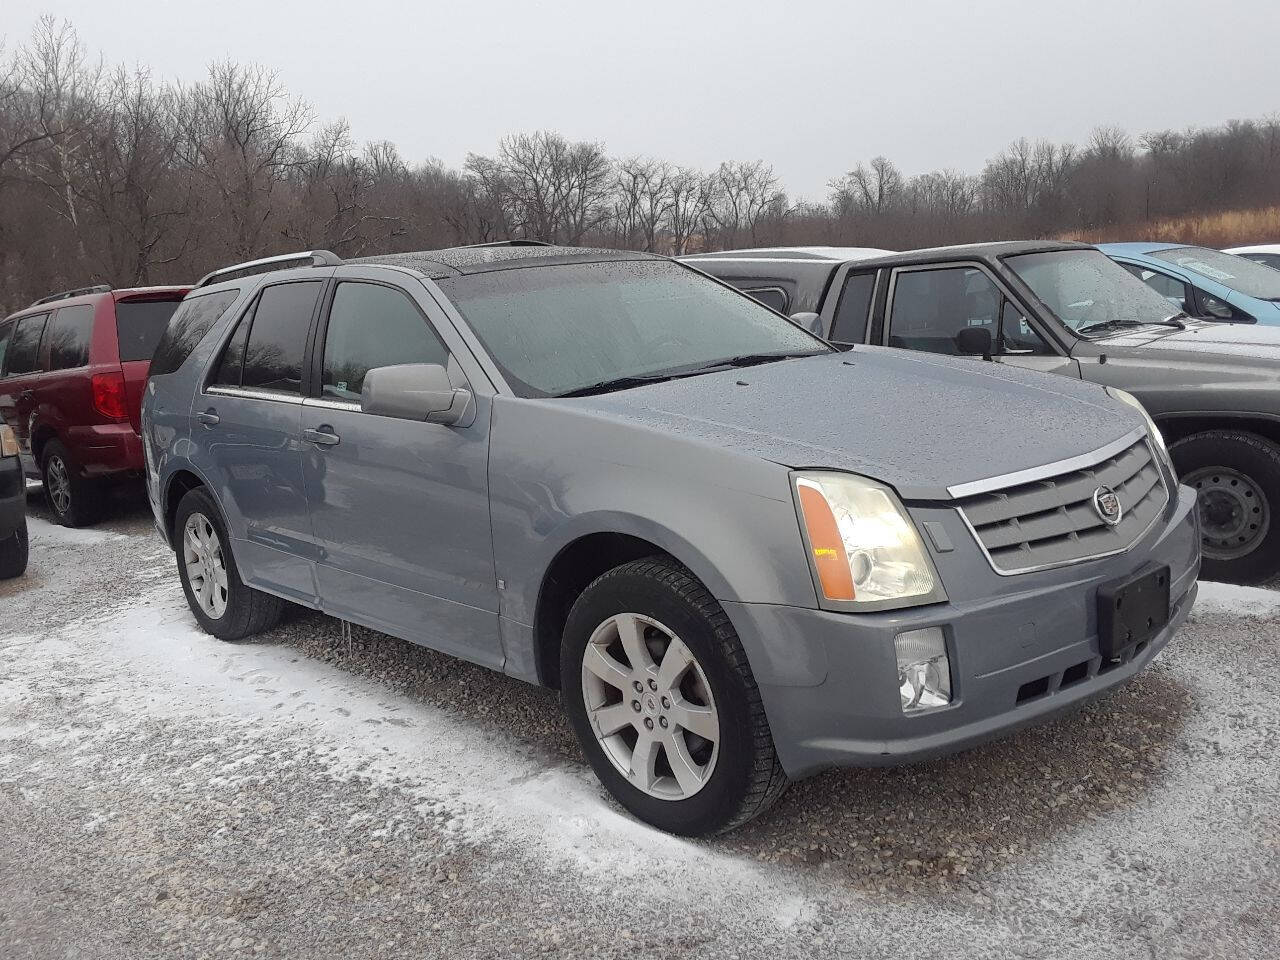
(73, 367)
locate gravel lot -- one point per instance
(164, 794)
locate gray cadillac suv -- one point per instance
(741, 555)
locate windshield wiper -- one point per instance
(1172, 321)
(617, 383)
(754, 359)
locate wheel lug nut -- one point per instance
(653, 684)
(635, 705)
(666, 704)
(648, 723)
(638, 685)
(662, 722)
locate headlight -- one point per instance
(863, 547)
(8, 442)
(1156, 438)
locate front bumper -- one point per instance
(1025, 649)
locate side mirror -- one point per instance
(810, 321)
(417, 391)
(974, 342)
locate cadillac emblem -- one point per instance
(1107, 504)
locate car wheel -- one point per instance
(13, 553)
(220, 600)
(72, 498)
(662, 699)
(1236, 476)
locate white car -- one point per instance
(1268, 253)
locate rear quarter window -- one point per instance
(139, 326)
(193, 319)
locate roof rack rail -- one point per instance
(508, 243)
(77, 292)
(306, 258)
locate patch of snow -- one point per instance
(1235, 600)
(43, 532)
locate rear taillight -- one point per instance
(108, 395)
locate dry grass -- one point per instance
(1233, 228)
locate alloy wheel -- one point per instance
(58, 484)
(205, 564)
(650, 706)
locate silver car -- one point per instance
(741, 555)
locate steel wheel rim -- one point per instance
(650, 706)
(1235, 515)
(205, 565)
(59, 484)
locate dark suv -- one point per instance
(72, 370)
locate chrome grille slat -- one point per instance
(1051, 522)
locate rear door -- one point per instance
(247, 438)
(928, 307)
(140, 323)
(400, 507)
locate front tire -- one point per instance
(72, 497)
(14, 552)
(220, 600)
(662, 699)
(1236, 476)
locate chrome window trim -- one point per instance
(962, 490)
(250, 394)
(330, 404)
(1038, 568)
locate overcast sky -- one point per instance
(810, 87)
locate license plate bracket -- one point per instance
(1132, 610)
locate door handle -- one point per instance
(322, 436)
(208, 418)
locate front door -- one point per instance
(400, 507)
(248, 424)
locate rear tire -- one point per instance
(629, 623)
(73, 498)
(1237, 478)
(14, 552)
(219, 599)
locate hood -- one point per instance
(1252, 341)
(916, 421)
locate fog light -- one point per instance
(924, 673)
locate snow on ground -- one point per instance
(163, 793)
(43, 532)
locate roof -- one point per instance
(838, 254)
(1001, 248)
(1140, 248)
(455, 261)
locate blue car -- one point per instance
(1204, 283)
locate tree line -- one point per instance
(108, 175)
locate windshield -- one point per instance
(1250, 278)
(1088, 291)
(557, 329)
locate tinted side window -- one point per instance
(931, 307)
(193, 319)
(277, 338)
(855, 305)
(140, 324)
(24, 348)
(6, 333)
(373, 326)
(231, 364)
(67, 338)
